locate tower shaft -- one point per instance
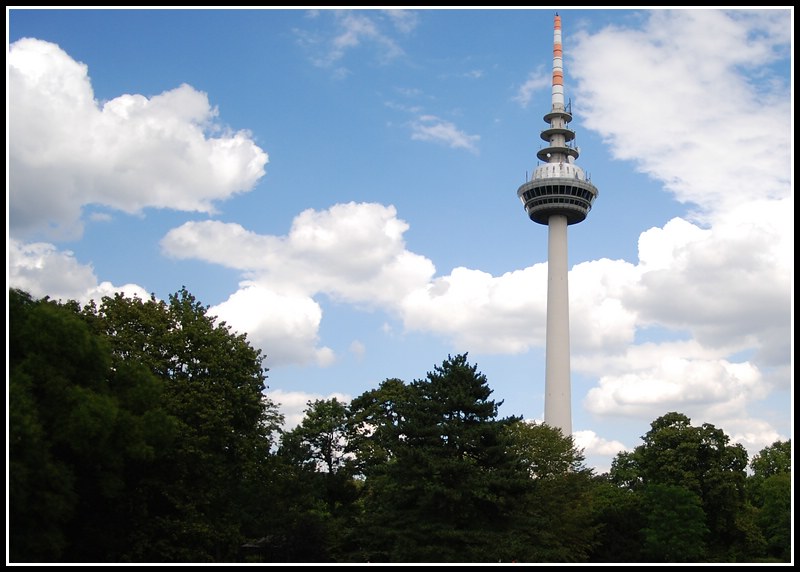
(557, 390)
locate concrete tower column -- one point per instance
(557, 398)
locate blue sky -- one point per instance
(340, 185)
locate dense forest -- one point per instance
(139, 431)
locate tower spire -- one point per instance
(558, 66)
(558, 194)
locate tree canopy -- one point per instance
(140, 431)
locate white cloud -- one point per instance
(285, 326)
(354, 252)
(293, 404)
(687, 385)
(600, 318)
(721, 279)
(67, 150)
(717, 130)
(482, 312)
(354, 30)
(431, 128)
(729, 286)
(40, 269)
(753, 434)
(537, 80)
(598, 451)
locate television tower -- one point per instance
(558, 194)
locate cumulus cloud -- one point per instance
(687, 384)
(595, 446)
(717, 130)
(737, 278)
(504, 314)
(40, 269)
(354, 252)
(718, 282)
(287, 325)
(293, 404)
(68, 150)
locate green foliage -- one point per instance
(73, 442)
(136, 430)
(775, 516)
(447, 481)
(139, 432)
(213, 383)
(320, 440)
(544, 450)
(447, 478)
(317, 451)
(675, 529)
(700, 460)
(769, 492)
(375, 424)
(620, 519)
(773, 460)
(625, 471)
(41, 497)
(552, 518)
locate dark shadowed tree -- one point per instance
(82, 435)
(674, 528)
(320, 441)
(317, 450)
(47, 347)
(440, 480)
(375, 425)
(620, 520)
(213, 386)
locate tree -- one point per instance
(552, 520)
(773, 460)
(544, 450)
(620, 520)
(41, 495)
(80, 433)
(770, 491)
(701, 460)
(375, 424)
(675, 529)
(213, 386)
(317, 448)
(775, 515)
(320, 440)
(447, 481)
